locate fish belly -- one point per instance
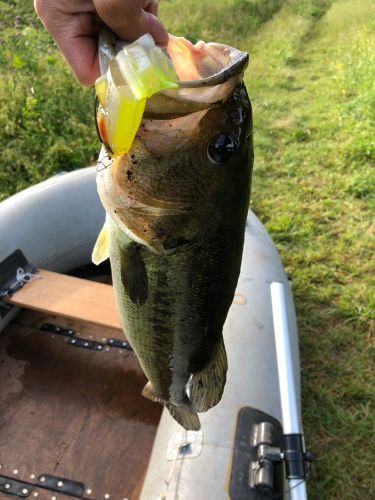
(172, 307)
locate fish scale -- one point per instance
(175, 233)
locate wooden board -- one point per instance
(72, 412)
(70, 297)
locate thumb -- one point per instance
(132, 18)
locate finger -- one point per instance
(77, 41)
(129, 20)
(152, 7)
(151, 24)
(82, 56)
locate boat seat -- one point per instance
(70, 297)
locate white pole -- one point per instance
(289, 404)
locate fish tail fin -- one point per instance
(181, 413)
(184, 416)
(207, 385)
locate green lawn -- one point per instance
(46, 118)
(311, 81)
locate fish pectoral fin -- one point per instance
(184, 416)
(100, 252)
(133, 273)
(207, 385)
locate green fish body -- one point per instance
(176, 212)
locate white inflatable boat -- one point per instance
(240, 452)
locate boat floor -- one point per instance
(71, 412)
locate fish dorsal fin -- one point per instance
(207, 384)
(100, 252)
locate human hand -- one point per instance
(75, 24)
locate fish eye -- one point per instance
(221, 148)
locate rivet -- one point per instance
(86, 344)
(111, 341)
(53, 498)
(73, 341)
(60, 484)
(25, 491)
(42, 479)
(104, 339)
(107, 348)
(15, 471)
(78, 334)
(1, 466)
(91, 337)
(89, 491)
(36, 494)
(120, 352)
(32, 476)
(107, 495)
(7, 486)
(99, 347)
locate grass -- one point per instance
(313, 94)
(311, 81)
(46, 117)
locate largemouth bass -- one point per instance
(176, 212)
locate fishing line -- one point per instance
(288, 490)
(292, 488)
(309, 467)
(168, 481)
(104, 162)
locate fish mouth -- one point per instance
(208, 63)
(207, 72)
(205, 64)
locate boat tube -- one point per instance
(56, 223)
